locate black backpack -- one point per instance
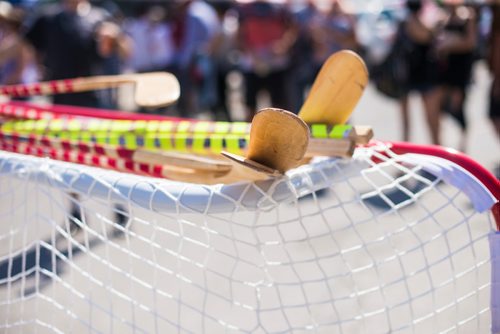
(391, 77)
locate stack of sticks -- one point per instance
(182, 149)
(150, 147)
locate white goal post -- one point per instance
(382, 242)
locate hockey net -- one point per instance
(383, 242)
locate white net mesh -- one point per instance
(338, 246)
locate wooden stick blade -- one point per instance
(337, 89)
(156, 89)
(278, 142)
(278, 139)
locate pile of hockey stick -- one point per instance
(185, 149)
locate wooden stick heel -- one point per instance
(278, 142)
(154, 89)
(361, 134)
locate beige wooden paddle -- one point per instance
(278, 142)
(153, 89)
(336, 90)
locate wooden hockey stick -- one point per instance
(151, 89)
(334, 94)
(271, 151)
(279, 139)
(236, 173)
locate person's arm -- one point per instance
(33, 34)
(241, 44)
(15, 77)
(285, 43)
(347, 39)
(467, 43)
(9, 49)
(188, 45)
(417, 31)
(110, 38)
(459, 43)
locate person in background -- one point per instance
(18, 66)
(116, 58)
(225, 56)
(153, 47)
(494, 66)
(454, 47)
(421, 70)
(332, 31)
(302, 52)
(195, 27)
(72, 39)
(265, 37)
(151, 36)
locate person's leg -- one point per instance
(494, 115)
(494, 105)
(207, 87)
(251, 90)
(457, 99)
(222, 109)
(298, 82)
(405, 117)
(276, 84)
(432, 107)
(187, 100)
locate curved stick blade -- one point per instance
(278, 142)
(336, 90)
(156, 89)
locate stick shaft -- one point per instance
(25, 110)
(203, 144)
(39, 88)
(237, 173)
(360, 134)
(65, 86)
(119, 152)
(119, 164)
(116, 121)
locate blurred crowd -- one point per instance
(276, 47)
